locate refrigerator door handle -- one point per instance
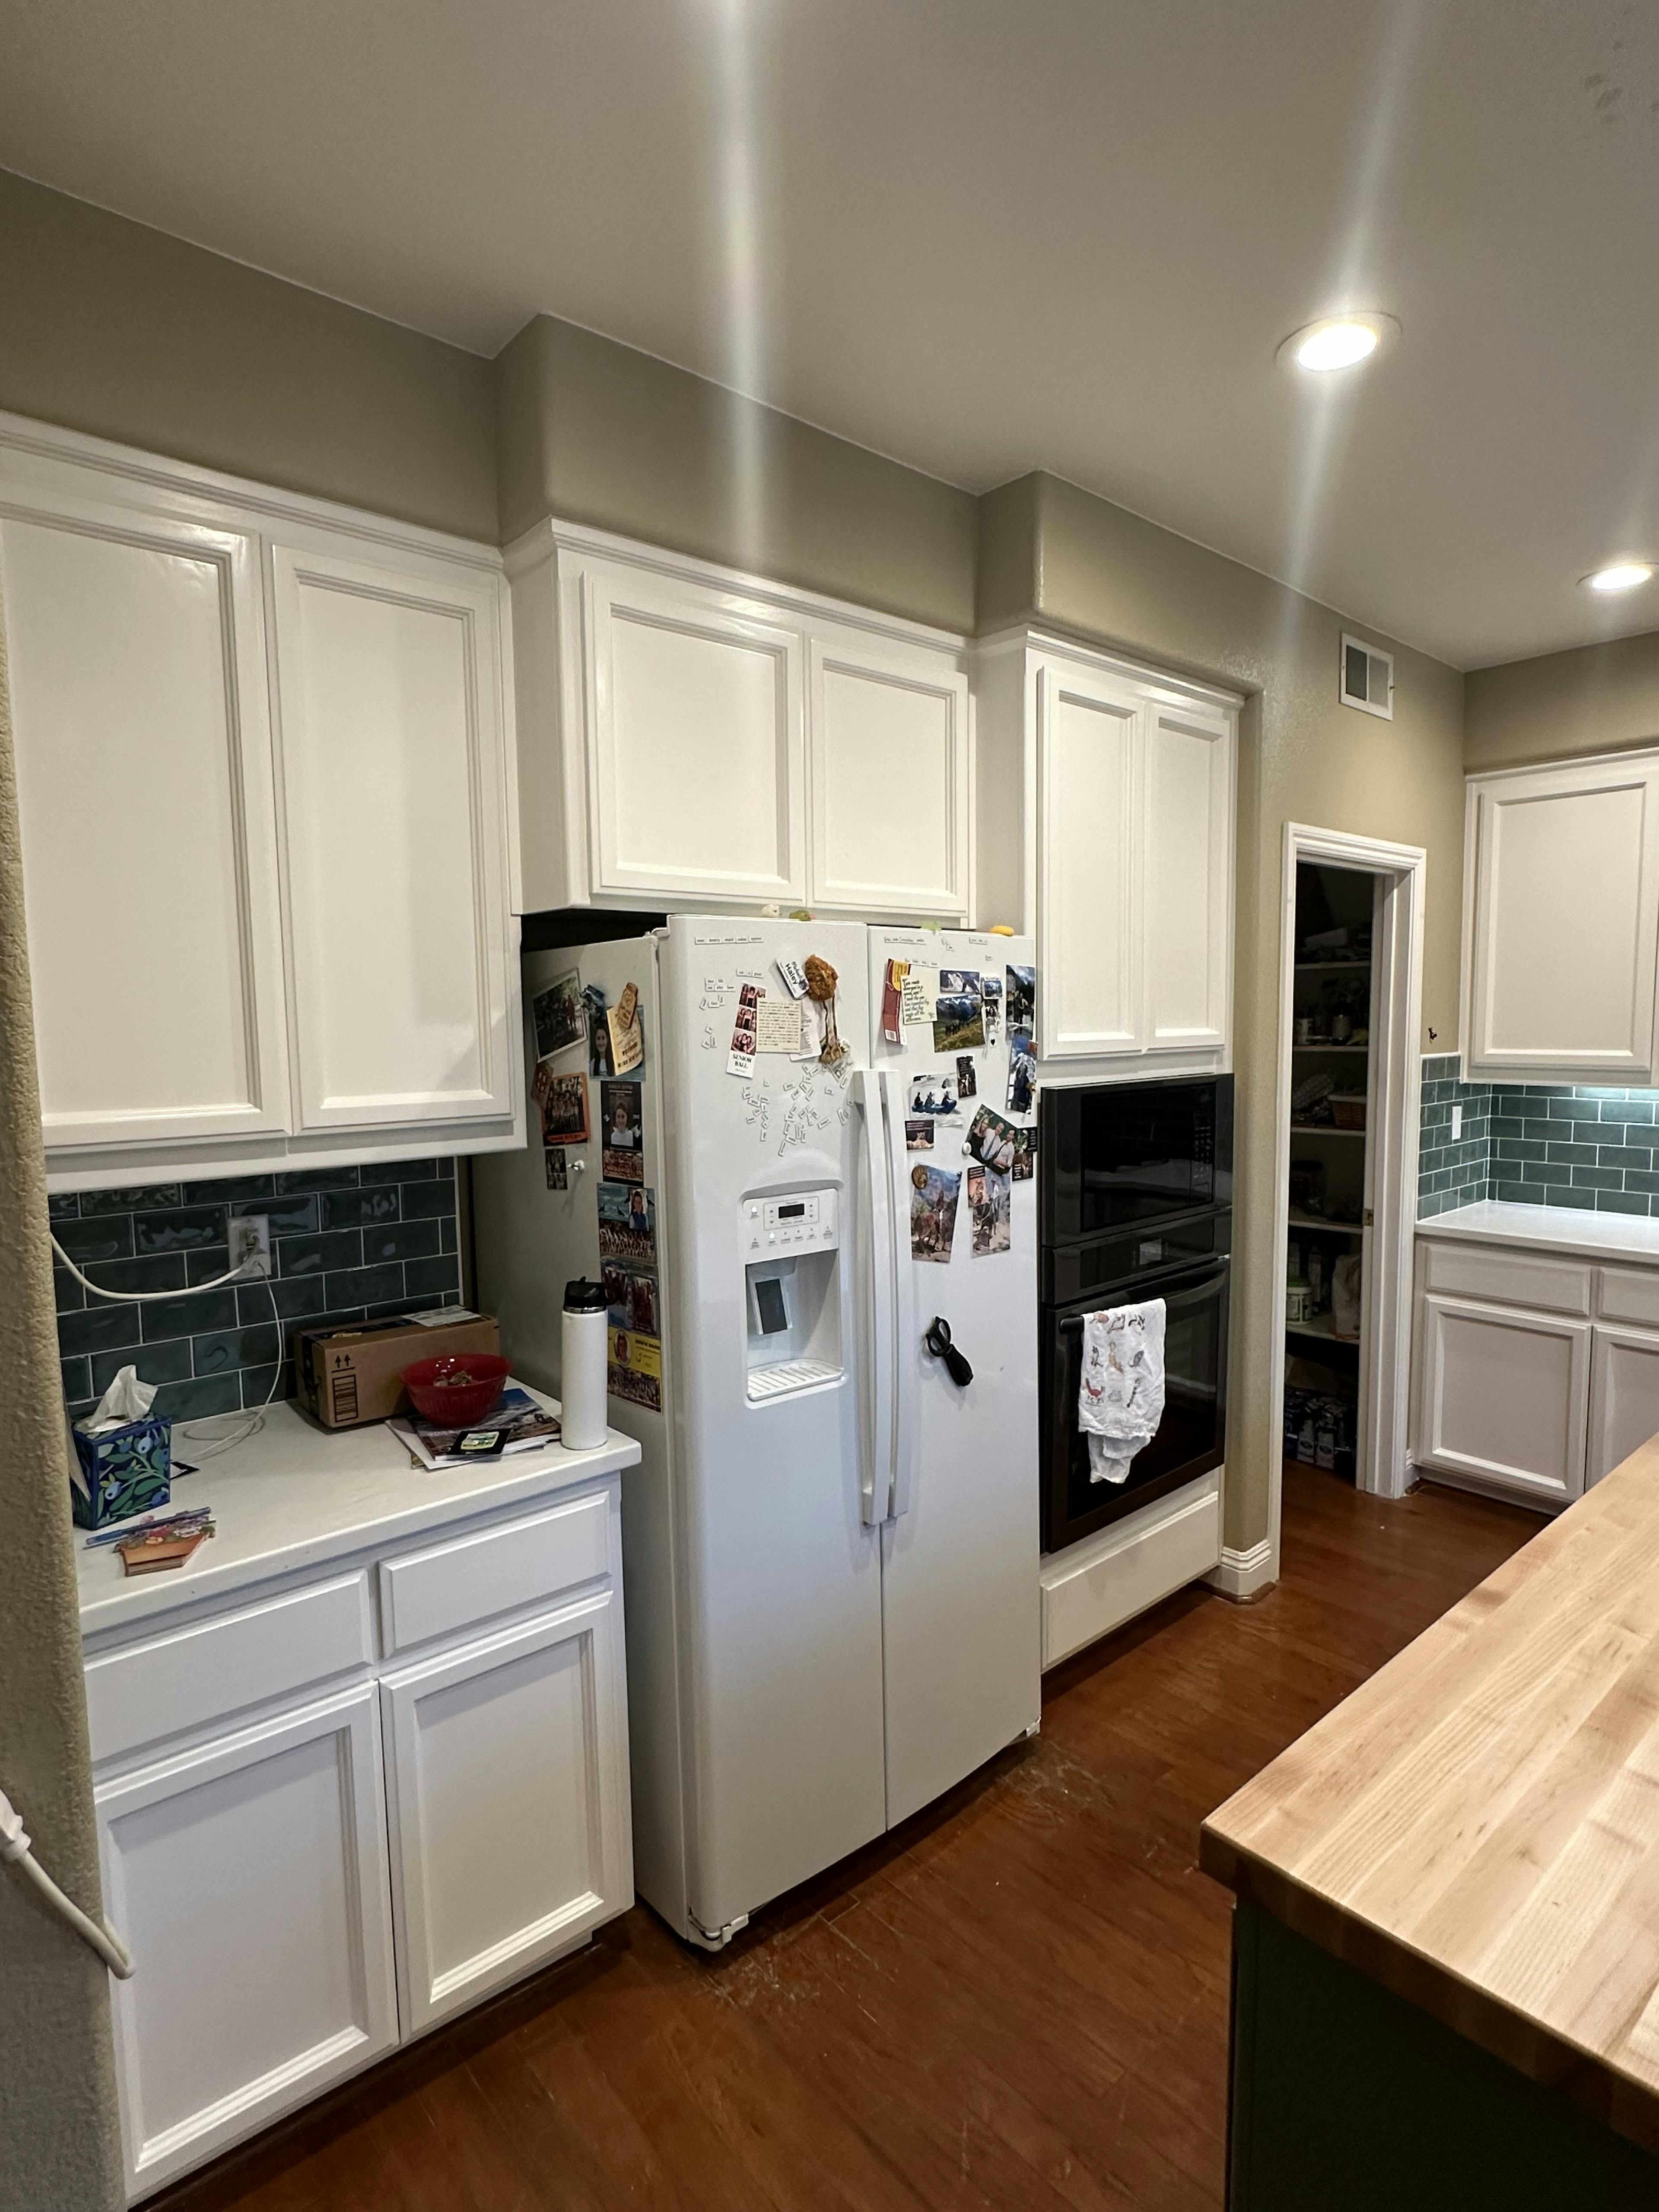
(876, 1474)
(906, 1364)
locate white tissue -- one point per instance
(126, 1399)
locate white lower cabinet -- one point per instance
(1534, 1374)
(1623, 1397)
(248, 1875)
(508, 1791)
(1505, 1397)
(309, 1876)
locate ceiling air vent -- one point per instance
(1367, 679)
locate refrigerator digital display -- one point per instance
(793, 1212)
(768, 1303)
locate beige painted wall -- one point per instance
(109, 327)
(1078, 563)
(595, 432)
(121, 331)
(1592, 699)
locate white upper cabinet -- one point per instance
(695, 713)
(389, 748)
(1124, 782)
(265, 764)
(889, 777)
(1090, 946)
(1189, 877)
(689, 737)
(138, 697)
(1561, 922)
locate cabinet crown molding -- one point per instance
(22, 439)
(546, 539)
(1026, 637)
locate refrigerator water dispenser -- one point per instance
(792, 1247)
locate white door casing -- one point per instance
(508, 1781)
(696, 727)
(888, 738)
(391, 774)
(266, 1848)
(1089, 865)
(1503, 1398)
(148, 865)
(1561, 922)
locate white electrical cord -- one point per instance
(145, 1297)
(15, 1846)
(255, 1420)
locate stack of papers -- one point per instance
(528, 1426)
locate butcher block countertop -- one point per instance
(1477, 1827)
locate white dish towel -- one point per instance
(1119, 1399)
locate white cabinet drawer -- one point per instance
(1514, 1279)
(1628, 1294)
(499, 1570)
(181, 1681)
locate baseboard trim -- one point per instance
(1242, 1575)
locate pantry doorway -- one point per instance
(1345, 1197)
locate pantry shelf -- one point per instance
(1332, 1228)
(1322, 1326)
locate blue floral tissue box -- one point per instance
(123, 1472)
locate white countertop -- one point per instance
(1551, 1229)
(293, 1495)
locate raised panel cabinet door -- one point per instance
(137, 650)
(389, 748)
(888, 737)
(249, 1877)
(696, 713)
(509, 1781)
(1504, 1398)
(1566, 922)
(1624, 1397)
(1189, 877)
(1090, 1004)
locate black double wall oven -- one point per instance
(1136, 1182)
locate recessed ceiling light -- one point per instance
(1337, 342)
(1618, 576)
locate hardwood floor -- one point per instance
(1019, 1999)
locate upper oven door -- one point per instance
(1191, 1438)
(1119, 1155)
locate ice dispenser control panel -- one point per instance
(798, 1221)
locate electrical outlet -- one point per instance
(250, 1243)
(1457, 1123)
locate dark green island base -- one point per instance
(1347, 2098)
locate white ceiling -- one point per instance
(986, 236)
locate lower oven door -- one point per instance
(1191, 1438)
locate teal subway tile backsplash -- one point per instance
(1590, 1148)
(1452, 1172)
(347, 1244)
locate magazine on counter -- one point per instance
(528, 1426)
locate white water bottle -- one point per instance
(582, 1403)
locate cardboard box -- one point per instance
(345, 1375)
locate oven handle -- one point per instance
(1173, 1287)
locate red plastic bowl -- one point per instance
(458, 1388)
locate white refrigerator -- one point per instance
(830, 1543)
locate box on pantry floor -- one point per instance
(120, 1472)
(346, 1374)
